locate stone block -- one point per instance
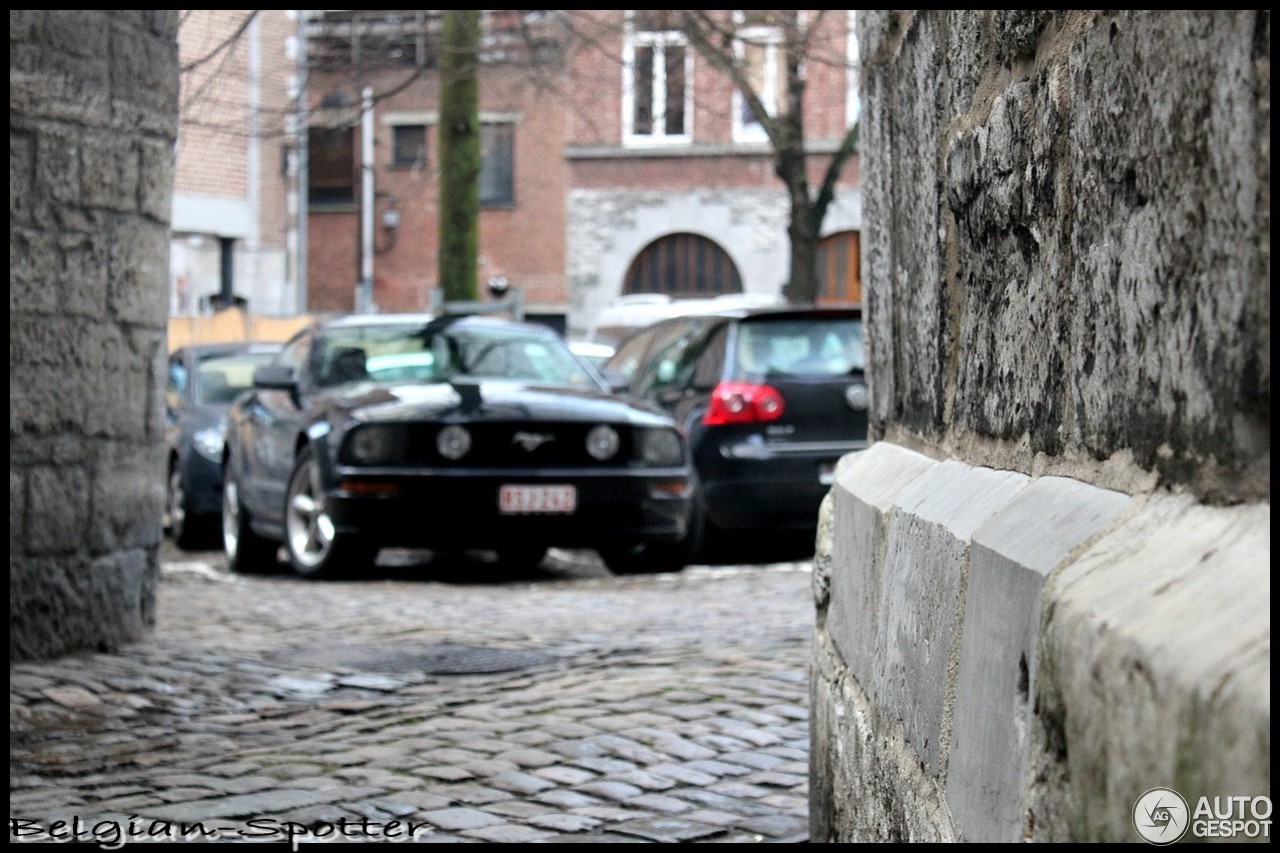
(128, 496)
(32, 255)
(139, 272)
(1155, 668)
(1009, 559)
(60, 603)
(110, 172)
(58, 509)
(866, 484)
(17, 510)
(923, 593)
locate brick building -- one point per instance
(597, 179)
(234, 225)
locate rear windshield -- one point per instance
(800, 347)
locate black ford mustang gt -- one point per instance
(455, 433)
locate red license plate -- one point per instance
(537, 500)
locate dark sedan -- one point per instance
(203, 381)
(455, 433)
(770, 399)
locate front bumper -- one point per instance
(202, 482)
(460, 508)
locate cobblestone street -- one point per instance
(438, 698)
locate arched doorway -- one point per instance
(683, 265)
(839, 268)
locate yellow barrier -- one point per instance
(232, 324)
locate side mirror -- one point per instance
(275, 377)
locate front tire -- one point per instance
(316, 548)
(650, 558)
(246, 551)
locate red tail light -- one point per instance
(743, 403)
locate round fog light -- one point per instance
(602, 442)
(453, 442)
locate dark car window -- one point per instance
(295, 354)
(176, 387)
(630, 353)
(710, 367)
(817, 346)
(445, 352)
(220, 379)
(668, 362)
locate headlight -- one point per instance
(602, 442)
(376, 445)
(659, 447)
(208, 442)
(453, 442)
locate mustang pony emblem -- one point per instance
(531, 441)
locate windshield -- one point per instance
(220, 379)
(446, 352)
(809, 347)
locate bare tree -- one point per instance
(774, 93)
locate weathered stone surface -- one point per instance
(88, 263)
(923, 593)
(1009, 559)
(1039, 285)
(1155, 669)
(865, 487)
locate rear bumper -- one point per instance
(460, 509)
(769, 486)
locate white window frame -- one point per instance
(659, 40)
(853, 78)
(770, 38)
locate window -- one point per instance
(669, 361)
(177, 384)
(630, 353)
(683, 265)
(409, 145)
(655, 75)
(853, 97)
(497, 163)
(295, 355)
(838, 261)
(331, 166)
(710, 365)
(758, 50)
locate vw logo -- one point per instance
(531, 441)
(857, 397)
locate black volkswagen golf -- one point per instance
(454, 433)
(770, 399)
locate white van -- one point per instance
(638, 310)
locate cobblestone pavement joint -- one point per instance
(567, 705)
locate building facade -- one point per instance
(234, 219)
(621, 164)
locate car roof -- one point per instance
(776, 312)
(232, 348)
(410, 319)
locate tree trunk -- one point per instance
(802, 281)
(459, 155)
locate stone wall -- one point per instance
(92, 120)
(1045, 589)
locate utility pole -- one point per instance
(460, 155)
